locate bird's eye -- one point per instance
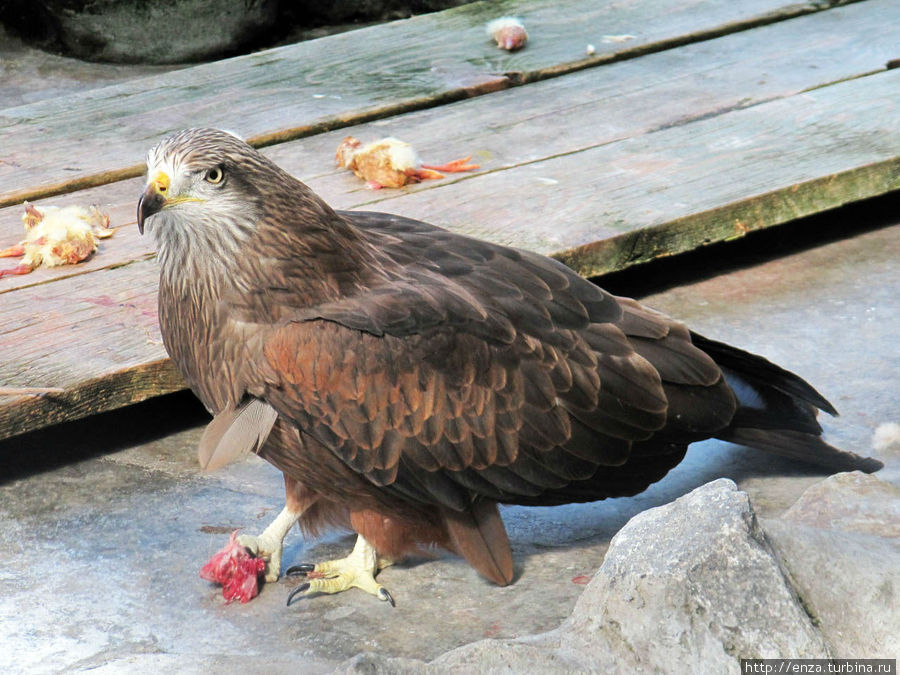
(214, 175)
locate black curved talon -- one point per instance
(299, 570)
(387, 597)
(297, 591)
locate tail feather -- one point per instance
(759, 371)
(805, 447)
(777, 410)
(767, 407)
(480, 537)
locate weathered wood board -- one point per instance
(658, 154)
(669, 191)
(60, 145)
(707, 180)
(587, 109)
(95, 335)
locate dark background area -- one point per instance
(85, 29)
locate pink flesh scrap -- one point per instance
(236, 570)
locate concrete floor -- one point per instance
(104, 523)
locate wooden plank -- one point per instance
(100, 136)
(587, 109)
(650, 195)
(672, 190)
(96, 336)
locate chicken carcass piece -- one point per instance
(392, 163)
(508, 32)
(57, 236)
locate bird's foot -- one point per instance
(18, 269)
(433, 171)
(357, 570)
(270, 544)
(456, 166)
(267, 548)
(416, 175)
(16, 251)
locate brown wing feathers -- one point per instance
(429, 409)
(547, 391)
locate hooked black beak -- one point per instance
(155, 197)
(151, 202)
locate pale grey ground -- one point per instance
(697, 585)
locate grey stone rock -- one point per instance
(179, 31)
(692, 583)
(376, 664)
(847, 576)
(136, 31)
(688, 587)
(850, 502)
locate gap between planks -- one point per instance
(280, 93)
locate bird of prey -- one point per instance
(407, 380)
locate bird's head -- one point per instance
(203, 185)
(219, 208)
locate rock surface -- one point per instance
(850, 502)
(840, 546)
(691, 586)
(354, 10)
(29, 74)
(694, 586)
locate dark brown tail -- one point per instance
(480, 537)
(805, 447)
(777, 410)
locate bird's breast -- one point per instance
(195, 335)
